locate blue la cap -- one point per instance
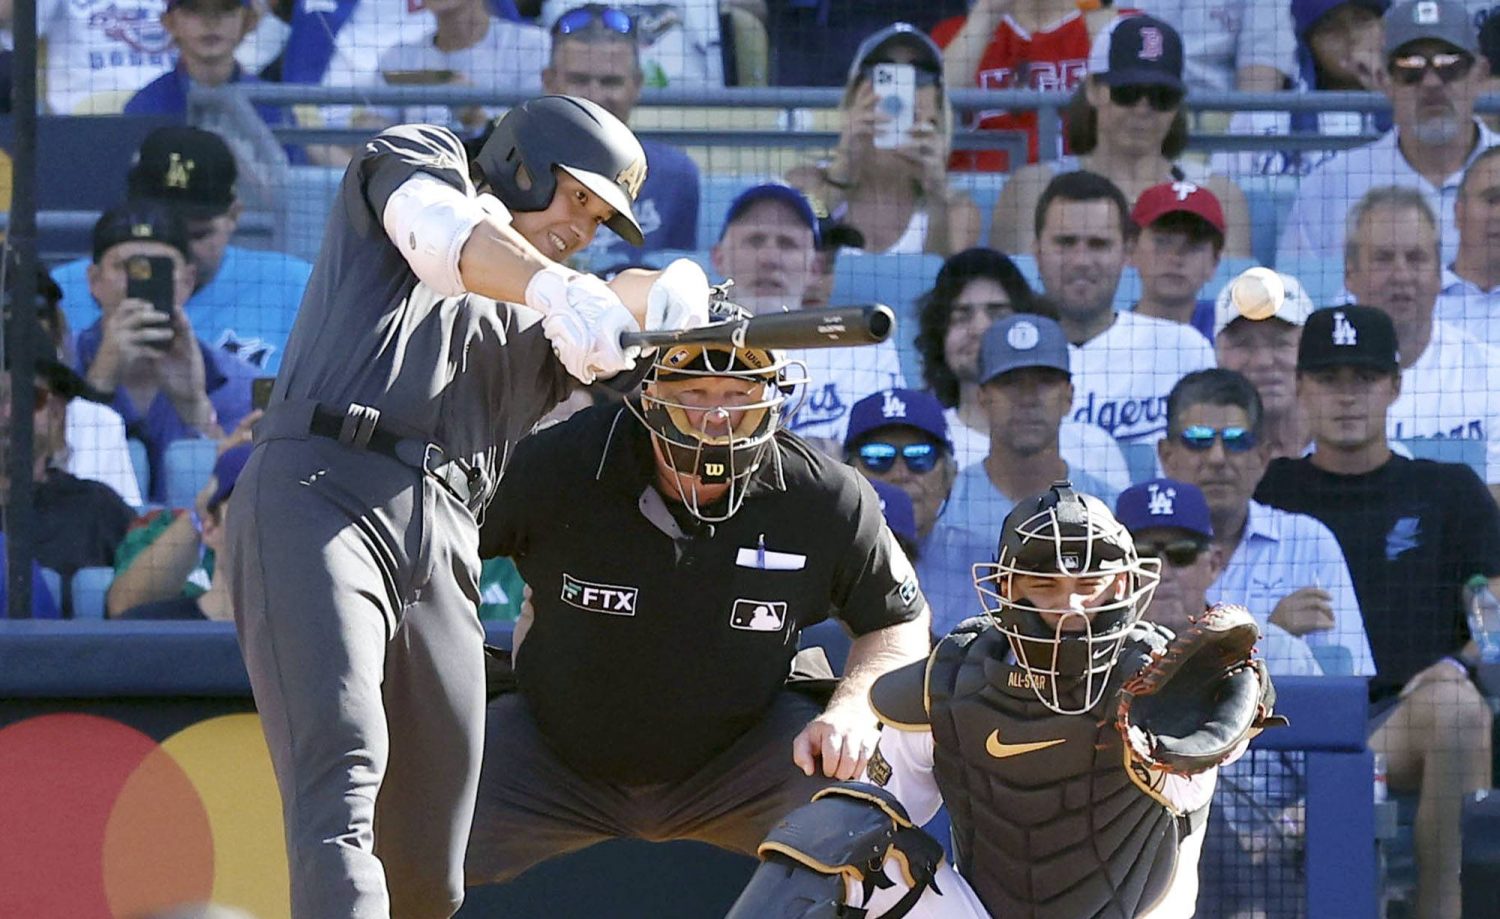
(1164, 503)
(899, 513)
(775, 191)
(908, 408)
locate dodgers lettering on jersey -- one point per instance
(1121, 377)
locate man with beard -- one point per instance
(1433, 71)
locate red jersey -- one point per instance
(1056, 57)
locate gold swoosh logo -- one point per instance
(998, 750)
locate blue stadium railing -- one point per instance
(86, 666)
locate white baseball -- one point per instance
(1257, 293)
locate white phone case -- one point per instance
(895, 97)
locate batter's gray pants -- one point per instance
(355, 590)
(533, 806)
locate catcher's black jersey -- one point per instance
(658, 639)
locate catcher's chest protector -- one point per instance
(1047, 822)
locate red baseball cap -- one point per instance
(1184, 197)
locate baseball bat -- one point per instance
(838, 327)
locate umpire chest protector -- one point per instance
(1048, 819)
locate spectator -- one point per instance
(768, 247)
(208, 520)
(97, 55)
(898, 437)
(680, 41)
(1124, 364)
(1169, 520)
(1338, 48)
(206, 33)
(973, 289)
(467, 46)
(1230, 45)
(43, 604)
(897, 198)
(1043, 45)
(1470, 299)
(1447, 376)
(75, 523)
(1414, 531)
(165, 381)
(243, 300)
(94, 445)
(596, 54)
(900, 517)
(1181, 236)
(1025, 386)
(833, 237)
(1431, 75)
(1286, 568)
(1126, 123)
(1265, 352)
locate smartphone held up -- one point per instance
(895, 101)
(152, 278)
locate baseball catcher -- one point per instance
(1074, 744)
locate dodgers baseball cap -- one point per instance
(1349, 336)
(1137, 50)
(1164, 503)
(907, 408)
(139, 221)
(1294, 310)
(227, 471)
(187, 168)
(899, 513)
(1158, 201)
(1019, 341)
(775, 191)
(876, 49)
(1437, 20)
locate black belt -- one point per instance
(360, 427)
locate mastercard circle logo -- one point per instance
(101, 820)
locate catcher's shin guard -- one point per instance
(845, 833)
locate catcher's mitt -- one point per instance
(1190, 706)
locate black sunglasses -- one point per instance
(879, 457)
(1179, 553)
(1201, 437)
(1411, 69)
(581, 17)
(1162, 98)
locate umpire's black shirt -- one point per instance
(658, 639)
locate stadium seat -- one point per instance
(1336, 660)
(90, 585)
(1270, 201)
(140, 463)
(1322, 278)
(1448, 450)
(53, 580)
(1140, 459)
(984, 188)
(310, 195)
(895, 280)
(187, 465)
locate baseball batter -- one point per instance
(412, 370)
(1074, 744)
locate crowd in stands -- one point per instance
(1076, 325)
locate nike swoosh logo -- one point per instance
(998, 750)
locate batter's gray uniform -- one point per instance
(355, 571)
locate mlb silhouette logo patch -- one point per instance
(758, 615)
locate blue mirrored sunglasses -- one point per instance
(879, 457)
(1201, 437)
(581, 17)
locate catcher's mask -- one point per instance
(1064, 534)
(716, 444)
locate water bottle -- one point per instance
(1382, 789)
(1483, 610)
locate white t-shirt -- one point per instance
(838, 378)
(680, 41)
(1083, 446)
(1122, 376)
(1221, 36)
(1450, 392)
(95, 435)
(510, 56)
(101, 46)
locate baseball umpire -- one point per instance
(411, 372)
(1075, 745)
(676, 547)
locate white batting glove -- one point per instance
(678, 299)
(583, 321)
